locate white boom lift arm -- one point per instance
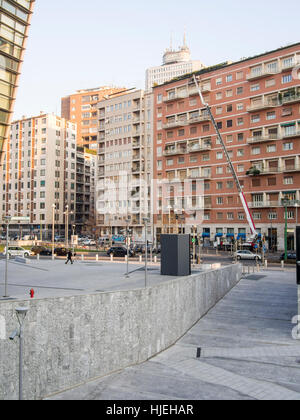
(239, 187)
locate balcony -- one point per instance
(291, 135)
(264, 204)
(292, 99)
(200, 118)
(204, 89)
(289, 66)
(291, 168)
(204, 175)
(174, 124)
(175, 151)
(262, 139)
(174, 97)
(259, 75)
(265, 104)
(136, 133)
(199, 147)
(136, 144)
(136, 169)
(270, 171)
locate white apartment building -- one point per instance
(176, 63)
(39, 171)
(124, 163)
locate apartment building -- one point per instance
(40, 172)
(256, 103)
(81, 108)
(124, 163)
(176, 63)
(85, 191)
(15, 20)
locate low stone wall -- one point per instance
(70, 340)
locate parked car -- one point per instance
(119, 251)
(17, 251)
(59, 239)
(89, 242)
(290, 256)
(61, 252)
(247, 255)
(157, 250)
(41, 250)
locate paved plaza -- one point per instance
(246, 348)
(54, 278)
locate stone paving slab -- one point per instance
(247, 352)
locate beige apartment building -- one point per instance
(81, 108)
(124, 164)
(39, 173)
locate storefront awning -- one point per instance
(288, 124)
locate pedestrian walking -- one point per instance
(69, 255)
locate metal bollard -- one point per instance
(155, 259)
(248, 269)
(141, 258)
(282, 264)
(82, 257)
(38, 257)
(111, 257)
(266, 263)
(97, 257)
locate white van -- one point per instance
(17, 251)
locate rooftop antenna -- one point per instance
(184, 38)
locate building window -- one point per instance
(288, 146)
(286, 78)
(255, 87)
(288, 180)
(255, 118)
(271, 149)
(255, 150)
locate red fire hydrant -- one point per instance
(31, 293)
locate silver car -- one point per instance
(247, 255)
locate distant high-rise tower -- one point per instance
(176, 63)
(15, 18)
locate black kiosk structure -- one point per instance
(175, 255)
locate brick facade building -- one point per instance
(256, 103)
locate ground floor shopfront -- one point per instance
(273, 234)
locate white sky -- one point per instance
(75, 44)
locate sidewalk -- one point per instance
(247, 352)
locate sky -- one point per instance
(75, 44)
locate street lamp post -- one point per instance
(146, 221)
(67, 226)
(7, 221)
(194, 244)
(169, 208)
(73, 237)
(127, 248)
(53, 229)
